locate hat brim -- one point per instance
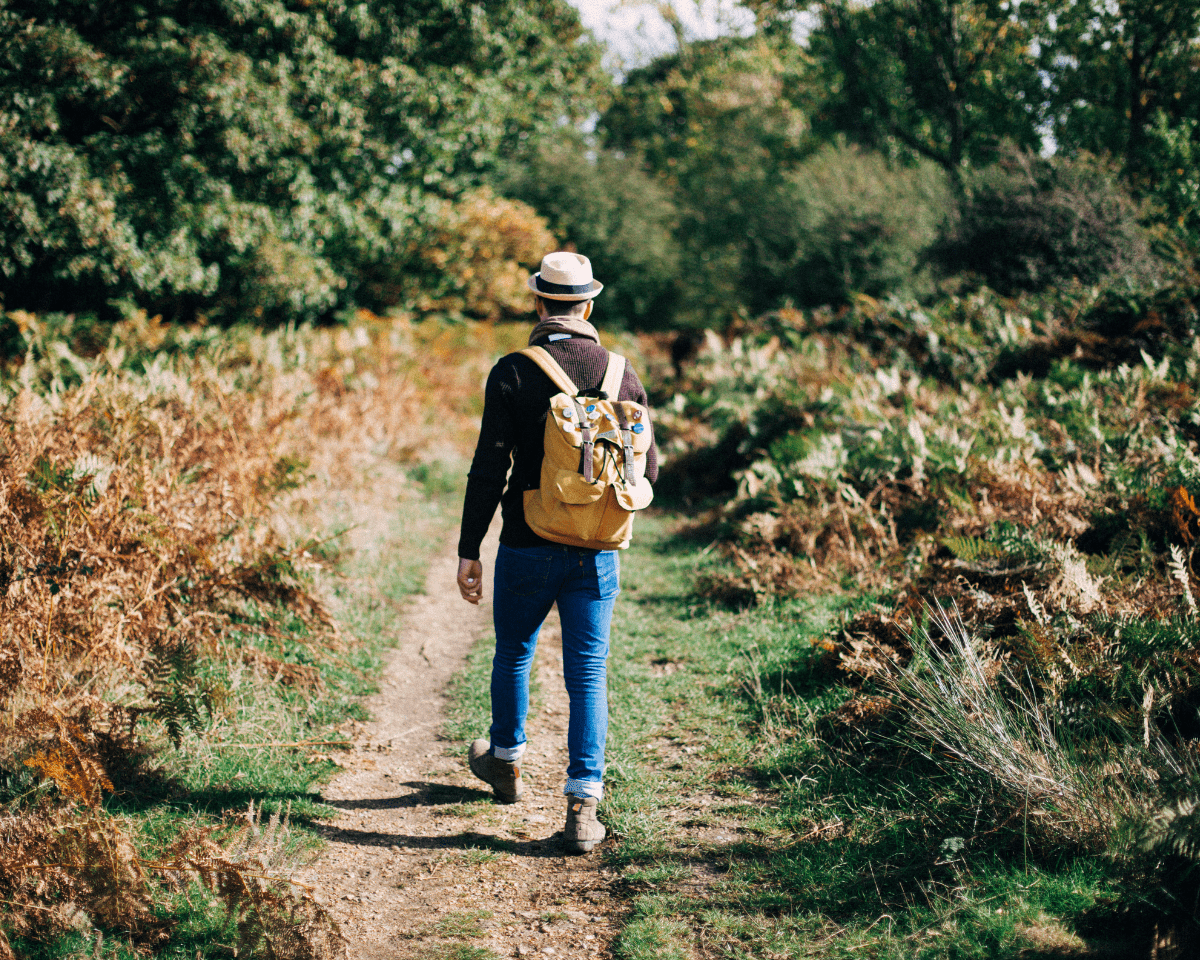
(595, 288)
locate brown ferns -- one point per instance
(148, 494)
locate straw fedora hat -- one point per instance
(565, 276)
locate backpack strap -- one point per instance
(613, 376)
(564, 383)
(550, 367)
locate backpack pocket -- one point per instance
(570, 487)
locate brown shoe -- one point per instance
(502, 776)
(583, 831)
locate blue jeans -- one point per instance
(584, 584)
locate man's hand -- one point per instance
(470, 580)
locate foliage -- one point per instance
(847, 439)
(847, 222)
(260, 159)
(828, 839)
(1114, 69)
(469, 260)
(606, 206)
(719, 123)
(963, 705)
(948, 80)
(158, 566)
(1029, 223)
(1052, 504)
(1172, 177)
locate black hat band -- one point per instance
(547, 287)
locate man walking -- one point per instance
(533, 573)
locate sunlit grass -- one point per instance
(790, 848)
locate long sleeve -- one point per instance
(489, 467)
(632, 389)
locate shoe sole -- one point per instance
(582, 846)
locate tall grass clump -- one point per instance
(961, 704)
(1083, 779)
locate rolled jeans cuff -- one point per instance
(584, 789)
(510, 754)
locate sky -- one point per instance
(636, 31)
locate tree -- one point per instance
(1114, 66)
(274, 157)
(847, 222)
(608, 207)
(719, 123)
(1032, 222)
(948, 80)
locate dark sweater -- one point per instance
(516, 402)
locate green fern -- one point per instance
(973, 549)
(1175, 831)
(178, 695)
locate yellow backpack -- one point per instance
(594, 468)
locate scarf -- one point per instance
(573, 326)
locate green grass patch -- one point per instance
(743, 829)
(455, 951)
(466, 924)
(653, 938)
(469, 706)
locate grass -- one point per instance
(455, 951)
(469, 710)
(464, 924)
(207, 535)
(456, 926)
(785, 843)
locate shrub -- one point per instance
(607, 207)
(848, 222)
(470, 260)
(1029, 223)
(160, 491)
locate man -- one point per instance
(532, 574)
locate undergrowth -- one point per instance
(183, 637)
(754, 819)
(1016, 483)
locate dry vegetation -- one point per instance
(159, 493)
(1017, 481)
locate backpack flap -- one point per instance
(594, 462)
(636, 495)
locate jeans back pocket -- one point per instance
(608, 574)
(520, 574)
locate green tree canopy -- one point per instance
(281, 157)
(719, 123)
(948, 80)
(608, 207)
(1114, 66)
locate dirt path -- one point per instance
(421, 859)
